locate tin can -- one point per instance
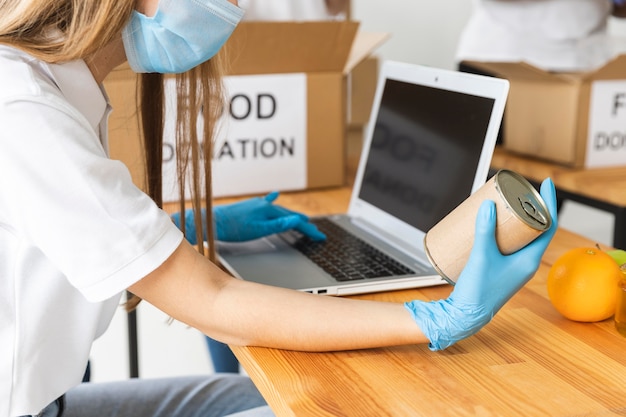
(522, 216)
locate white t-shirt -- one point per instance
(74, 230)
(559, 35)
(284, 10)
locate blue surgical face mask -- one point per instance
(181, 35)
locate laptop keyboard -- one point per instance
(345, 256)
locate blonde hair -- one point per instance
(199, 97)
(62, 30)
(59, 31)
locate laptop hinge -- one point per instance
(407, 248)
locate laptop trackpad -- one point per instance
(272, 261)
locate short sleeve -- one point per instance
(62, 193)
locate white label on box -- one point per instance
(606, 143)
(261, 140)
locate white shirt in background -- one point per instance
(285, 10)
(557, 35)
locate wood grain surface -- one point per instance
(529, 361)
(602, 184)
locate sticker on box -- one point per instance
(261, 141)
(606, 141)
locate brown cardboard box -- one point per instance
(324, 53)
(577, 120)
(362, 88)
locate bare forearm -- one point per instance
(192, 290)
(300, 321)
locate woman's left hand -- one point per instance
(251, 219)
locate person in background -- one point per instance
(290, 10)
(76, 233)
(554, 35)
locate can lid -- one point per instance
(523, 199)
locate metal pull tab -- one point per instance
(532, 212)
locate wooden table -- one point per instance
(529, 361)
(602, 188)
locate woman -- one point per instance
(75, 233)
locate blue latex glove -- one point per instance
(251, 219)
(487, 282)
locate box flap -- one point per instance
(615, 69)
(520, 71)
(364, 44)
(284, 47)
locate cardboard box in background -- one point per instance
(361, 90)
(124, 130)
(323, 53)
(577, 120)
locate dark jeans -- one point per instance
(224, 361)
(53, 410)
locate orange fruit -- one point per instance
(582, 284)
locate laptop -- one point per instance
(427, 147)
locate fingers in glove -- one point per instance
(281, 224)
(311, 231)
(548, 193)
(271, 197)
(280, 211)
(485, 229)
(294, 221)
(302, 225)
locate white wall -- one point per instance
(165, 349)
(423, 32)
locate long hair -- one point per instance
(62, 30)
(199, 102)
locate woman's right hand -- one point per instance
(487, 282)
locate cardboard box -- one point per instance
(288, 98)
(361, 90)
(577, 120)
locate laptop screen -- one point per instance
(425, 150)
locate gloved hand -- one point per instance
(487, 282)
(250, 219)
